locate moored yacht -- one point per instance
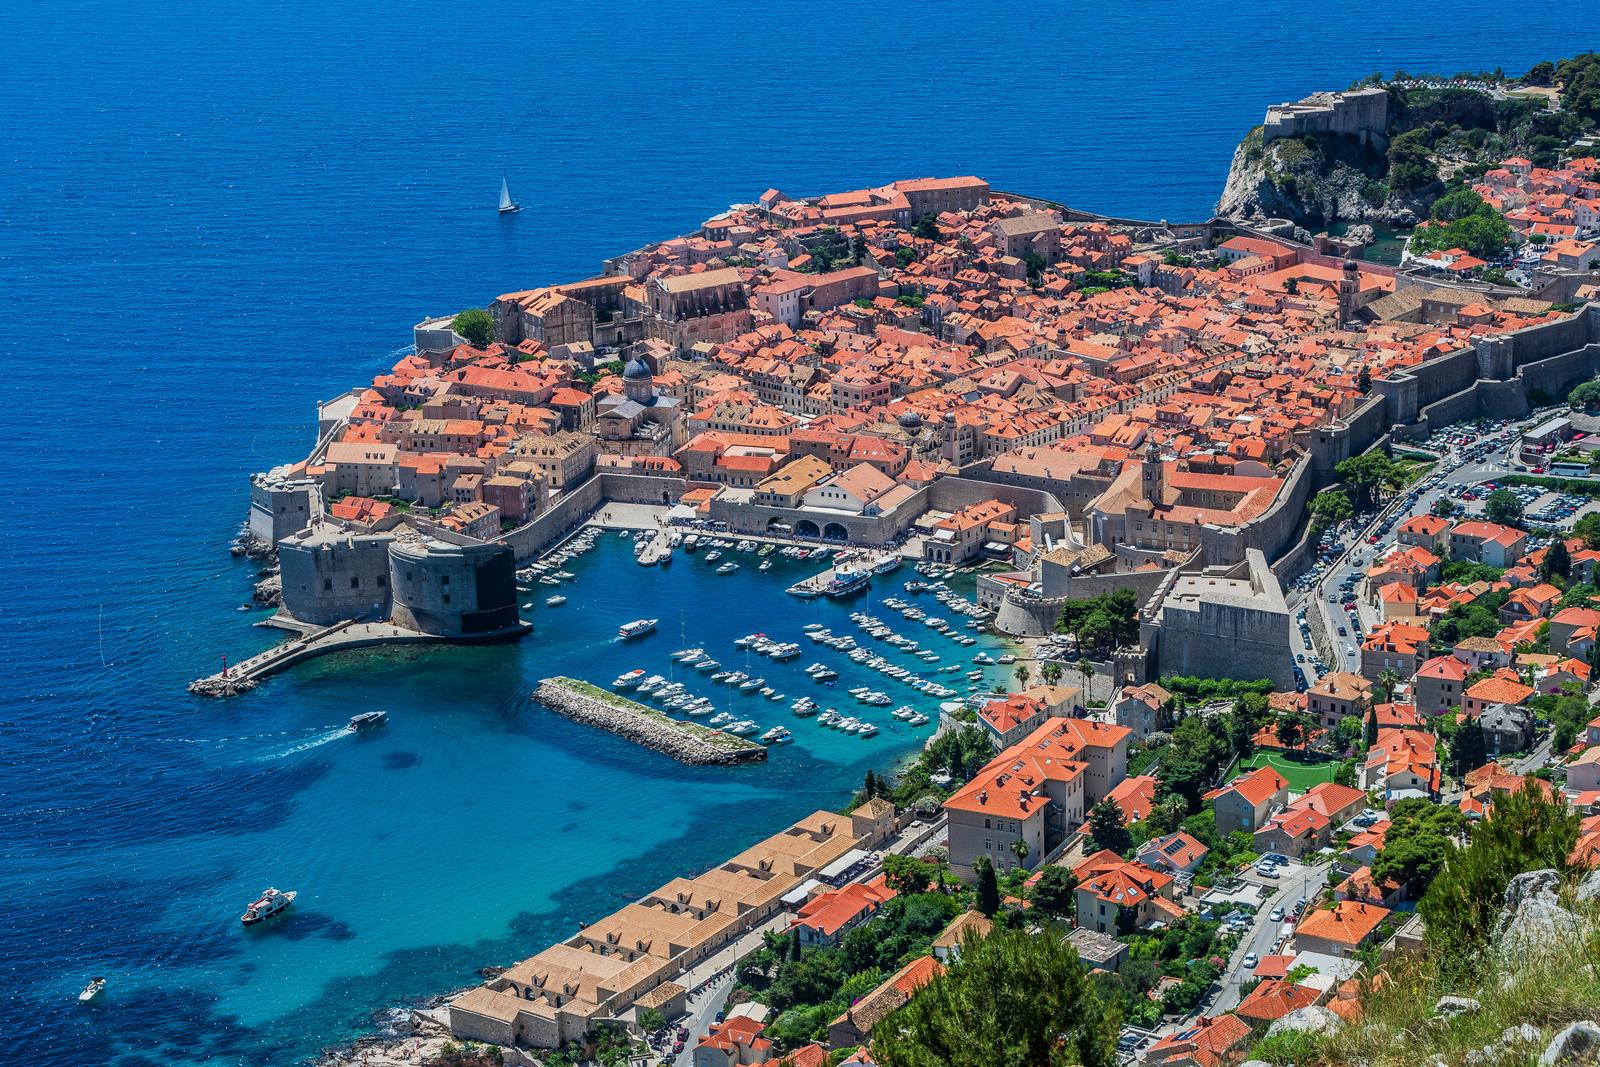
(266, 906)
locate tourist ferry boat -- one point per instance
(266, 906)
(636, 628)
(847, 580)
(630, 680)
(368, 719)
(92, 990)
(886, 563)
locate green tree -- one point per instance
(1050, 670)
(1291, 730)
(1365, 474)
(1419, 841)
(907, 874)
(1585, 397)
(1346, 733)
(988, 886)
(651, 1020)
(926, 227)
(1364, 379)
(1056, 893)
(1468, 751)
(1527, 830)
(1557, 561)
(1020, 849)
(1411, 163)
(474, 326)
(1330, 507)
(1444, 507)
(1010, 998)
(1502, 506)
(1370, 733)
(1106, 829)
(1383, 693)
(1024, 672)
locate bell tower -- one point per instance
(1152, 480)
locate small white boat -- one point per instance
(555, 601)
(507, 205)
(92, 990)
(629, 680)
(267, 905)
(727, 568)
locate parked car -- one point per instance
(1250, 960)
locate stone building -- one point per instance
(1362, 113)
(1220, 624)
(689, 308)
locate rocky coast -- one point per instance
(685, 742)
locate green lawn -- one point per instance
(1300, 775)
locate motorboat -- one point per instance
(368, 719)
(688, 655)
(728, 568)
(92, 990)
(750, 685)
(919, 719)
(629, 680)
(707, 664)
(636, 628)
(555, 601)
(267, 905)
(866, 729)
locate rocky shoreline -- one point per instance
(685, 742)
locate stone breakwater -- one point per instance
(685, 742)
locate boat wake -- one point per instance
(311, 743)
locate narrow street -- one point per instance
(1301, 881)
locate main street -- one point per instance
(1453, 473)
(1302, 882)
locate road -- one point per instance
(1302, 881)
(1457, 473)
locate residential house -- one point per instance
(1340, 930)
(1487, 542)
(1176, 852)
(1115, 896)
(1337, 695)
(1246, 802)
(1439, 685)
(1140, 708)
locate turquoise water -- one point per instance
(472, 829)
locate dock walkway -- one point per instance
(242, 677)
(814, 585)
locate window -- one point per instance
(986, 824)
(355, 581)
(327, 585)
(988, 844)
(447, 598)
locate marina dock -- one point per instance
(242, 677)
(812, 586)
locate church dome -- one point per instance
(910, 420)
(636, 371)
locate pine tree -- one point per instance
(1468, 751)
(1009, 998)
(1371, 734)
(988, 886)
(1557, 562)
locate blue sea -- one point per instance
(214, 215)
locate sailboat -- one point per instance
(507, 205)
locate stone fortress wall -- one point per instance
(1362, 113)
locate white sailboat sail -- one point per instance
(506, 203)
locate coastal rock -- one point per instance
(1578, 1043)
(1361, 233)
(1314, 1020)
(1313, 182)
(1533, 918)
(268, 592)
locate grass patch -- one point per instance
(1300, 772)
(1397, 1027)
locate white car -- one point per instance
(1250, 960)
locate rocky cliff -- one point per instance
(1315, 182)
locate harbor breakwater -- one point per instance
(685, 742)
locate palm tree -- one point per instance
(1051, 670)
(1086, 672)
(1020, 847)
(1023, 674)
(1388, 682)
